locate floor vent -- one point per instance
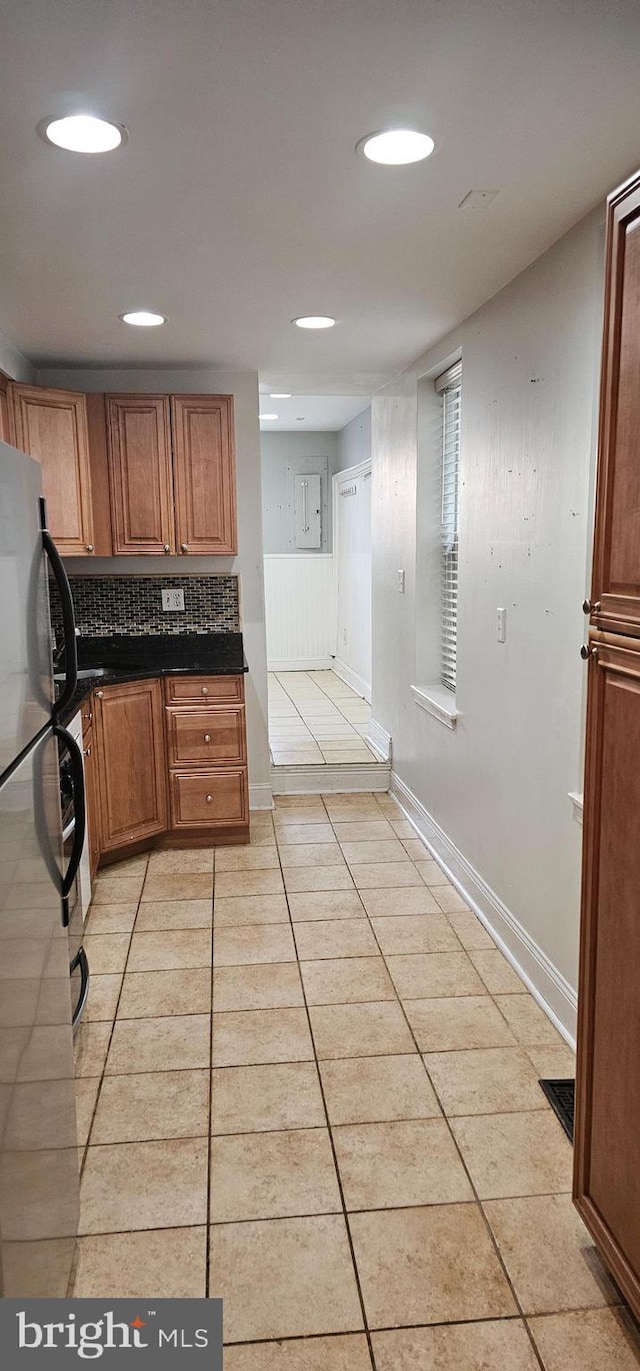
(561, 1096)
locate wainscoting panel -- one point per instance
(300, 611)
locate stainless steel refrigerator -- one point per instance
(38, 1146)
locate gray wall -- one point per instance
(285, 455)
(354, 441)
(497, 786)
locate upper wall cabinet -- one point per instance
(172, 474)
(51, 425)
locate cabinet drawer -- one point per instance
(207, 737)
(203, 689)
(208, 800)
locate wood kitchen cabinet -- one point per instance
(51, 425)
(140, 474)
(207, 755)
(92, 797)
(204, 473)
(128, 728)
(5, 429)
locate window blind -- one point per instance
(450, 388)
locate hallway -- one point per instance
(315, 718)
(348, 1105)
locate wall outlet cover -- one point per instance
(173, 599)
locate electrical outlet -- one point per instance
(501, 625)
(401, 583)
(173, 599)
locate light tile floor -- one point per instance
(317, 1096)
(315, 718)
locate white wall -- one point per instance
(283, 456)
(13, 362)
(354, 441)
(496, 788)
(248, 564)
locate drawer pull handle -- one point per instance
(204, 690)
(88, 717)
(209, 799)
(100, 694)
(207, 737)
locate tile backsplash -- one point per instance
(132, 605)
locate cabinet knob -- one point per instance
(100, 694)
(586, 652)
(183, 547)
(86, 752)
(89, 547)
(88, 717)
(589, 608)
(204, 690)
(209, 799)
(207, 737)
(166, 548)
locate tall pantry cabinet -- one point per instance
(607, 1136)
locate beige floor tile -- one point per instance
(284, 1278)
(300, 880)
(416, 850)
(116, 889)
(144, 1185)
(589, 1340)
(326, 904)
(553, 1062)
(232, 911)
(167, 1263)
(299, 757)
(450, 899)
(273, 1175)
(111, 918)
(254, 943)
(178, 886)
(90, 1048)
(414, 933)
(360, 1030)
(178, 861)
(434, 876)
(247, 859)
(359, 756)
(181, 1043)
(292, 834)
(527, 1021)
(162, 916)
(348, 980)
(86, 1093)
(252, 1099)
(435, 1264)
(401, 827)
(256, 1037)
(160, 1104)
(498, 976)
(551, 1260)
(409, 1162)
(457, 1347)
(154, 994)
(360, 810)
(515, 1154)
(494, 1080)
(400, 903)
(318, 939)
(103, 1000)
(310, 854)
(276, 986)
(374, 1089)
(375, 830)
(385, 875)
(107, 952)
(368, 852)
(248, 883)
(347, 1352)
(463, 1021)
(170, 950)
(129, 866)
(435, 975)
(471, 932)
(298, 809)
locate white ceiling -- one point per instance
(311, 413)
(239, 203)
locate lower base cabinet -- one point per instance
(130, 762)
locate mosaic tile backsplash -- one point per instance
(133, 605)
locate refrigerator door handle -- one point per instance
(68, 624)
(80, 960)
(79, 810)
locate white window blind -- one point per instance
(449, 385)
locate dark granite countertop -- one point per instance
(115, 660)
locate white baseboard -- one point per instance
(548, 986)
(260, 797)
(300, 664)
(379, 740)
(319, 780)
(351, 678)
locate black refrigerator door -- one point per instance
(68, 618)
(38, 1146)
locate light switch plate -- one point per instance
(173, 599)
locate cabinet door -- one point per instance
(607, 1174)
(5, 428)
(616, 571)
(140, 474)
(204, 473)
(130, 757)
(51, 425)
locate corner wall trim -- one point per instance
(260, 797)
(300, 664)
(325, 780)
(351, 678)
(548, 986)
(379, 740)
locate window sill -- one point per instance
(438, 702)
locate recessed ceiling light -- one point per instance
(143, 318)
(83, 133)
(396, 147)
(269, 416)
(280, 395)
(314, 321)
